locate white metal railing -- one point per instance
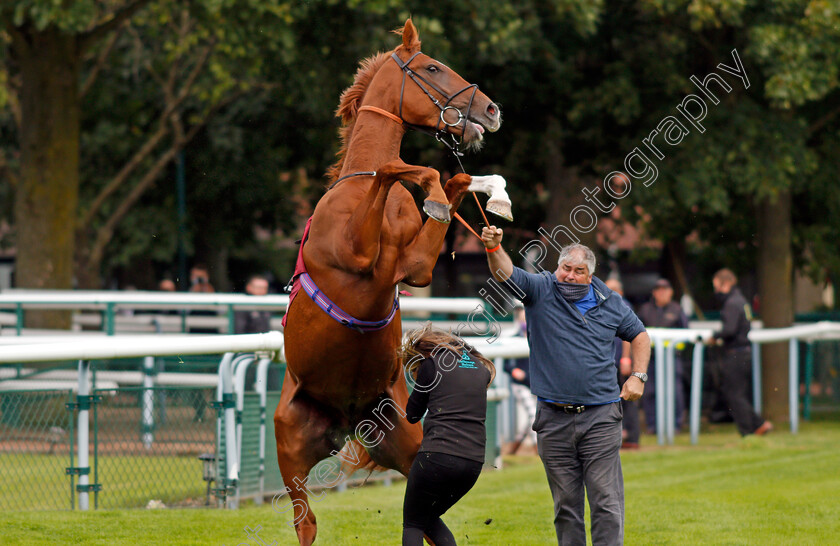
(664, 342)
(140, 346)
(664, 351)
(793, 335)
(111, 303)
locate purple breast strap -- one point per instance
(334, 311)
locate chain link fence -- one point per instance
(36, 448)
(147, 443)
(144, 446)
(820, 376)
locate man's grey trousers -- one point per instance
(581, 450)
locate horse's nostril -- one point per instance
(492, 110)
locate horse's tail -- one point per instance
(354, 457)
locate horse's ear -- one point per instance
(411, 39)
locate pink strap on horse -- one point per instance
(300, 269)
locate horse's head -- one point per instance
(432, 95)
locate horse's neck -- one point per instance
(375, 141)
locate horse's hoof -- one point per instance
(500, 208)
(437, 211)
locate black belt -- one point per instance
(569, 408)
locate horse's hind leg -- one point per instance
(399, 442)
(302, 431)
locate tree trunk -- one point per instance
(563, 185)
(88, 275)
(47, 196)
(218, 265)
(775, 280)
(87, 271)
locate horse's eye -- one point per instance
(432, 68)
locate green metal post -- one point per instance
(95, 453)
(72, 443)
(19, 312)
(231, 320)
(109, 318)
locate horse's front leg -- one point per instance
(437, 204)
(494, 186)
(420, 255)
(359, 248)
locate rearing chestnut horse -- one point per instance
(343, 379)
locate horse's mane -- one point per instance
(348, 106)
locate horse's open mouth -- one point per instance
(474, 132)
(476, 128)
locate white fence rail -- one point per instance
(146, 311)
(793, 335)
(140, 346)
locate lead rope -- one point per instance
(457, 216)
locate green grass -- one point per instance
(31, 481)
(779, 489)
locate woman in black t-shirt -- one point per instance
(450, 381)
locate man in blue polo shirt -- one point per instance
(572, 320)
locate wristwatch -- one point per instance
(642, 376)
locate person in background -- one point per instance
(735, 363)
(451, 381)
(200, 279)
(255, 321)
(663, 312)
(624, 364)
(200, 283)
(166, 285)
(526, 403)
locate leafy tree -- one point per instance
(171, 72)
(187, 62)
(48, 42)
(744, 185)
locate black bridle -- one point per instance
(439, 133)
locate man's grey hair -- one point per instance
(588, 257)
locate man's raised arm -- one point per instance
(500, 263)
